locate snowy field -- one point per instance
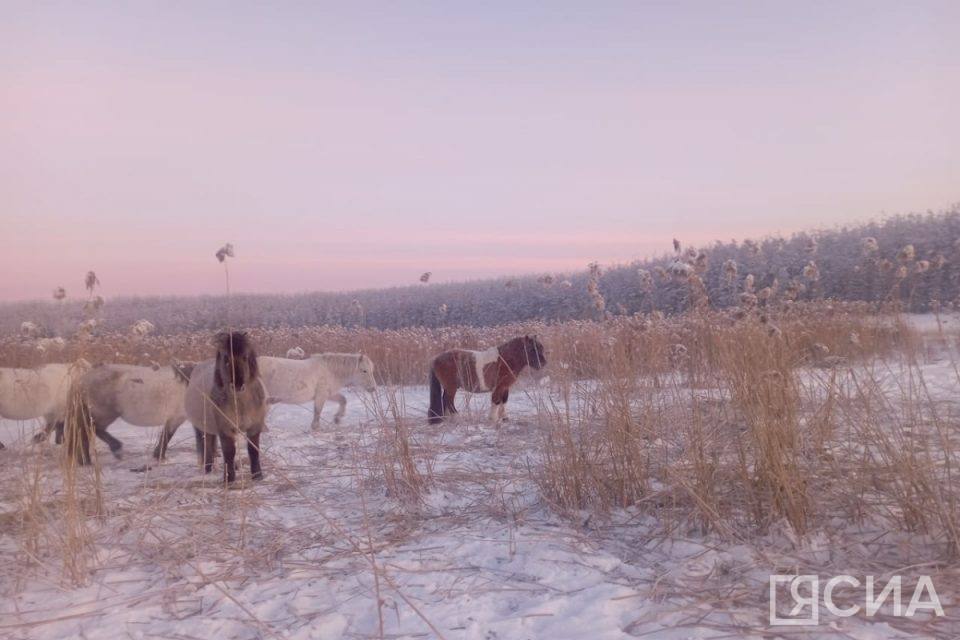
(319, 550)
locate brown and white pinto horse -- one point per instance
(492, 371)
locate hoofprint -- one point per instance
(482, 556)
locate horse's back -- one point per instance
(465, 368)
(291, 381)
(142, 396)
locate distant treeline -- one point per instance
(913, 260)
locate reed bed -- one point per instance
(402, 356)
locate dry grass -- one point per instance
(755, 427)
(59, 504)
(798, 419)
(402, 356)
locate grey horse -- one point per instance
(227, 400)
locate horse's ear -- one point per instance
(222, 339)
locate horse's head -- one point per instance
(364, 375)
(182, 371)
(236, 360)
(535, 353)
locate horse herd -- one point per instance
(226, 398)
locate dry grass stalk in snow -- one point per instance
(56, 514)
(742, 434)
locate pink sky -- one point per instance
(355, 147)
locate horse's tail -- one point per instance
(435, 414)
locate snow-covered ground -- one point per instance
(312, 550)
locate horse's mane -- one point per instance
(514, 341)
(338, 356)
(236, 343)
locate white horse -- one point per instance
(42, 392)
(142, 396)
(318, 378)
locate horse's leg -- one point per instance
(198, 438)
(253, 451)
(51, 423)
(318, 402)
(169, 428)
(229, 447)
(497, 398)
(114, 444)
(340, 398)
(494, 414)
(44, 434)
(435, 410)
(206, 446)
(209, 451)
(449, 402)
(503, 406)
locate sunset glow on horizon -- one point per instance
(361, 145)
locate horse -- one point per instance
(226, 397)
(142, 396)
(318, 378)
(493, 370)
(42, 392)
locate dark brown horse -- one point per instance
(494, 371)
(225, 398)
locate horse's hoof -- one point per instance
(257, 476)
(39, 437)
